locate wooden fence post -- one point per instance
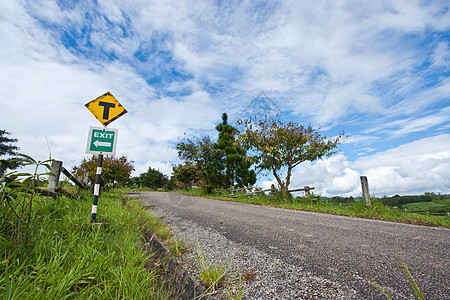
(365, 191)
(53, 181)
(307, 193)
(86, 179)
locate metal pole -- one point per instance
(97, 187)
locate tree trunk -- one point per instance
(284, 190)
(283, 186)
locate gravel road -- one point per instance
(288, 254)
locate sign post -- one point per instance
(102, 141)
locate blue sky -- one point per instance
(377, 70)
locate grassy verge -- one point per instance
(433, 205)
(356, 209)
(66, 257)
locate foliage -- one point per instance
(219, 164)
(279, 147)
(342, 200)
(153, 179)
(17, 192)
(7, 149)
(401, 200)
(185, 176)
(435, 206)
(116, 171)
(69, 258)
(236, 163)
(206, 159)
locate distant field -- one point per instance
(435, 204)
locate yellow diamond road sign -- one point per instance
(106, 108)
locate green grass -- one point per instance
(435, 204)
(408, 276)
(357, 209)
(66, 257)
(212, 274)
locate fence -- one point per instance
(53, 181)
(53, 188)
(253, 190)
(424, 212)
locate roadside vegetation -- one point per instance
(347, 207)
(50, 249)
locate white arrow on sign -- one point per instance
(101, 144)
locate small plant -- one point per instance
(211, 274)
(238, 291)
(408, 276)
(163, 232)
(177, 246)
(17, 192)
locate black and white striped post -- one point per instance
(106, 109)
(97, 187)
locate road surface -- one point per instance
(340, 249)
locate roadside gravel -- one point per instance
(262, 276)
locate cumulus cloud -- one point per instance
(176, 66)
(410, 168)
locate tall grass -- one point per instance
(69, 258)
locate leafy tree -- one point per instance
(280, 147)
(116, 171)
(234, 157)
(205, 156)
(185, 175)
(220, 164)
(153, 179)
(8, 151)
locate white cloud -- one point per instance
(414, 16)
(176, 66)
(416, 167)
(403, 127)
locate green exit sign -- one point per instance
(101, 141)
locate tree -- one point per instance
(221, 164)
(235, 160)
(8, 151)
(186, 175)
(153, 179)
(204, 155)
(116, 171)
(281, 147)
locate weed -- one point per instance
(177, 246)
(213, 275)
(163, 232)
(249, 275)
(408, 276)
(17, 192)
(238, 291)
